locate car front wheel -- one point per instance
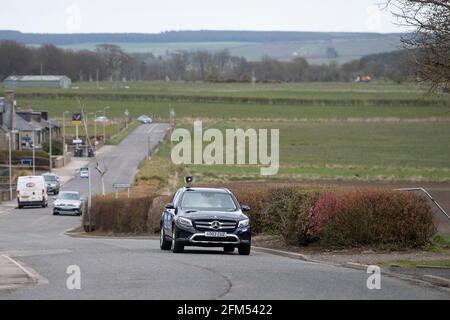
(176, 246)
(163, 242)
(244, 250)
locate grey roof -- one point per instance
(23, 125)
(35, 78)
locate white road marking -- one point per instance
(153, 128)
(28, 273)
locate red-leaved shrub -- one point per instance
(372, 217)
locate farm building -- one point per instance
(14, 82)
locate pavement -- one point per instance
(122, 268)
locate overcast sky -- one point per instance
(150, 16)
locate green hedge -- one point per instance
(42, 157)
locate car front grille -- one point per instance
(203, 239)
(215, 225)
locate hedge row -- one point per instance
(351, 218)
(126, 216)
(237, 99)
(332, 218)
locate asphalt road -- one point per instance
(138, 269)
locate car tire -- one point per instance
(55, 213)
(228, 249)
(176, 246)
(244, 249)
(19, 205)
(163, 242)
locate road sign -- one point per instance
(121, 185)
(76, 119)
(84, 173)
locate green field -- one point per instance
(327, 91)
(375, 131)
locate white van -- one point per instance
(31, 191)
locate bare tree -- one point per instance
(430, 39)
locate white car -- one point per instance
(31, 191)
(145, 119)
(101, 119)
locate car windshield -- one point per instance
(68, 196)
(214, 201)
(50, 178)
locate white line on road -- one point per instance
(28, 273)
(153, 128)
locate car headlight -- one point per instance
(244, 223)
(185, 221)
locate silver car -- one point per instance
(68, 202)
(145, 119)
(52, 183)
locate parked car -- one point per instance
(101, 119)
(26, 142)
(145, 119)
(52, 183)
(68, 202)
(205, 217)
(31, 191)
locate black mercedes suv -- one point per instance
(205, 217)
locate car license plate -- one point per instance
(215, 234)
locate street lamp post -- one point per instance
(34, 156)
(9, 135)
(87, 135)
(95, 129)
(64, 131)
(50, 145)
(10, 167)
(104, 124)
(95, 126)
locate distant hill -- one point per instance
(253, 45)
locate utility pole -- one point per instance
(50, 144)
(64, 132)
(104, 127)
(34, 157)
(104, 124)
(95, 128)
(9, 134)
(87, 136)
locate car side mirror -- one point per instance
(246, 208)
(170, 206)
